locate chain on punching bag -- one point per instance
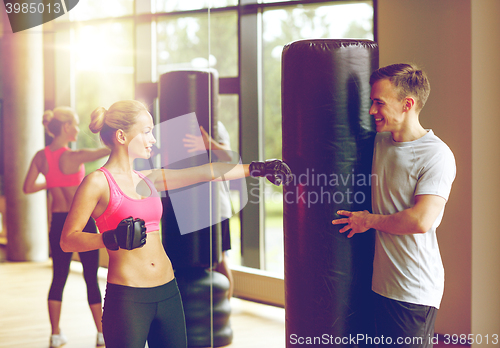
(328, 143)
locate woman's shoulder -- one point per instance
(40, 154)
(39, 157)
(69, 159)
(92, 191)
(96, 179)
(97, 174)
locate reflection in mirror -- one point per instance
(183, 5)
(93, 9)
(183, 43)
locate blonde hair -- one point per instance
(53, 120)
(121, 115)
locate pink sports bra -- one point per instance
(121, 206)
(56, 178)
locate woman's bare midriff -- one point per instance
(143, 267)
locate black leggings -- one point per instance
(61, 261)
(133, 315)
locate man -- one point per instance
(413, 172)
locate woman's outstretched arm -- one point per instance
(72, 160)
(88, 155)
(276, 171)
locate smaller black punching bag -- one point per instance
(187, 100)
(191, 234)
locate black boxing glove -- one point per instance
(276, 171)
(129, 234)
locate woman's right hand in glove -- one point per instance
(129, 234)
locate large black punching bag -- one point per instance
(328, 143)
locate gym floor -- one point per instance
(24, 321)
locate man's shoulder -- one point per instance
(437, 143)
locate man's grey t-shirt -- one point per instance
(408, 267)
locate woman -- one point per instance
(142, 299)
(64, 171)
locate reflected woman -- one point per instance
(64, 170)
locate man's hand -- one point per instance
(197, 143)
(356, 221)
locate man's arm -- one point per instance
(417, 219)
